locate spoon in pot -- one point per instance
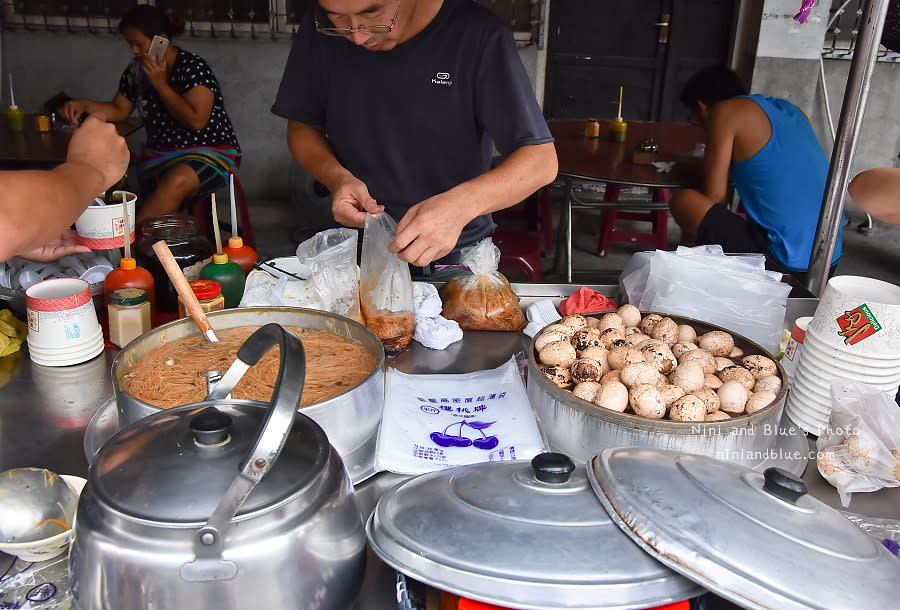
(191, 304)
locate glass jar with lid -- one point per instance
(209, 295)
(190, 248)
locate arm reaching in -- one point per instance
(430, 229)
(38, 206)
(877, 192)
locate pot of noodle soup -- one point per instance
(343, 391)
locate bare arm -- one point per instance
(877, 192)
(37, 206)
(430, 229)
(116, 110)
(350, 198)
(193, 109)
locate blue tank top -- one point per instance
(781, 187)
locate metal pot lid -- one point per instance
(175, 466)
(756, 539)
(519, 535)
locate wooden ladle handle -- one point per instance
(191, 304)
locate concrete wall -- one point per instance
(788, 65)
(249, 71)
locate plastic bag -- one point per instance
(482, 300)
(432, 422)
(331, 257)
(860, 448)
(689, 282)
(385, 286)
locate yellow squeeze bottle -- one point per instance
(15, 116)
(618, 128)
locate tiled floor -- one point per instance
(279, 227)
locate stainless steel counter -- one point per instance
(44, 412)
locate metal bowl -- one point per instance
(581, 429)
(350, 419)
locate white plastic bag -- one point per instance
(331, 256)
(860, 448)
(735, 292)
(385, 286)
(432, 422)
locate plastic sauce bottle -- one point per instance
(618, 129)
(129, 315)
(208, 293)
(237, 252)
(129, 275)
(15, 119)
(229, 275)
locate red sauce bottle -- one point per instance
(237, 252)
(129, 275)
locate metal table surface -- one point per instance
(44, 412)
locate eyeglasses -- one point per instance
(333, 31)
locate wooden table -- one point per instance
(43, 150)
(584, 158)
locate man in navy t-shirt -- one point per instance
(399, 105)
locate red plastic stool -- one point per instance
(520, 250)
(657, 216)
(201, 209)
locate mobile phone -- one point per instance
(158, 47)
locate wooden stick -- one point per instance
(215, 222)
(191, 304)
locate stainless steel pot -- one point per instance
(218, 505)
(350, 419)
(581, 429)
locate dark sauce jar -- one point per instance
(190, 248)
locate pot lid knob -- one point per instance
(782, 485)
(210, 427)
(552, 467)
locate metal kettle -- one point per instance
(221, 504)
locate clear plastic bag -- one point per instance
(331, 257)
(860, 448)
(689, 282)
(385, 287)
(483, 300)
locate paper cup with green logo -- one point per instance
(860, 316)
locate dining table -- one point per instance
(33, 149)
(584, 158)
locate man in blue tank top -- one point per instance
(776, 164)
(398, 104)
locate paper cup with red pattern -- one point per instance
(859, 316)
(102, 227)
(62, 322)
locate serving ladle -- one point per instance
(34, 504)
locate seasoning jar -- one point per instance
(129, 315)
(592, 128)
(208, 293)
(190, 248)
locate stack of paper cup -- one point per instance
(854, 334)
(62, 322)
(794, 346)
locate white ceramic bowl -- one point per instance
(48, 548)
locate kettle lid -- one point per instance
(175, 466)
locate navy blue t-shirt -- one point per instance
(423, 117)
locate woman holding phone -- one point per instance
(191, 144)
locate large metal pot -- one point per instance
(221, 504)
(350, 419)
(581, 429)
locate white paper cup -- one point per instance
(795, 344)
(102, 227)
(856, 371)
(62, 322)
(859, 315)
(815, 343)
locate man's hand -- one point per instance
(65, 244)
(429, 230)
(350, 202)
(97, 145)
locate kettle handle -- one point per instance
(208, 563)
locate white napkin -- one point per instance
(432, 329)
(540, 314)
(663, 167)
